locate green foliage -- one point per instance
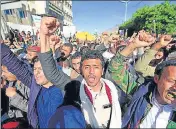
(161, 18)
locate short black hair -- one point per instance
(93, 54)
(35, 59)
(75, 46)
(69, 45)
(160, 67)
(84, 49)
(76, 55)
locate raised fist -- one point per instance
(54, 40)
(165, 40)
(167, 37)
(143, 39)
(48, 25)
(144, 36)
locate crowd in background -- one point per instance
(112, 82)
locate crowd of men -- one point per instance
(112, 83)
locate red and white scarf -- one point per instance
(88, 109)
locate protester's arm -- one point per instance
(15, 66)
(55, 76)
(118, 66)
(120, 74)
(51, 72)
(142, 65)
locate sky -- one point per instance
(98, 16)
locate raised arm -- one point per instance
(142, 65)
(55, 76)
(118, 68)
(15, 66)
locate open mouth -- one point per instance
(172, 94)
(91, 78)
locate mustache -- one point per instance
(91, 76)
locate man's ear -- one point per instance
(156, 79)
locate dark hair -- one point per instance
(35, 59)
(93, 54)
(84, 49)
(161, 66)
(76, 55)
(69, 45)
(75, 46)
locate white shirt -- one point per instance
(108, 55)
(67, 70)
(158, 115)
(99, 100)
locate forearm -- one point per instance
(44, 41)
(142, 65)
(15, 66)
(51, 71)
(120, 74)
(156, 46)
(128, 50)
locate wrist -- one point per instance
(157, 46)
(132, 46)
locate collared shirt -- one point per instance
(158, 115)
(99, 100)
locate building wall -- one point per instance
(68, 14)
(19, 12)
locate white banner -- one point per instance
(69, 31)
(36, 21)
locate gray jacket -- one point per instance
(55, 76)
(19, 101)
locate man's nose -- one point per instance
(91, 70)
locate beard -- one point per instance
(155, 62)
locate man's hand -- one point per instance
(143, 39)
(11, 91)
(165, 40)
(54, 40)
(48, 25)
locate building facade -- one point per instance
(18, 12)
(67, 12)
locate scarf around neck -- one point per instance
(88, 109)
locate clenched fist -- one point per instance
(54, 40)
(165, 40)
(48, 25)
(11, 91)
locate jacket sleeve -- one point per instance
(15, 66)
(19, 102)
(142, 65)
(120, 74)
(55, 76)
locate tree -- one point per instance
(161, 16)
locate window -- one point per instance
(8, 12)
(21, 13)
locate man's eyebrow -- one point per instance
(170, 78)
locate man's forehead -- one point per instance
(76, 59)
(37, 64)
(170, 71)
(92, 62)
